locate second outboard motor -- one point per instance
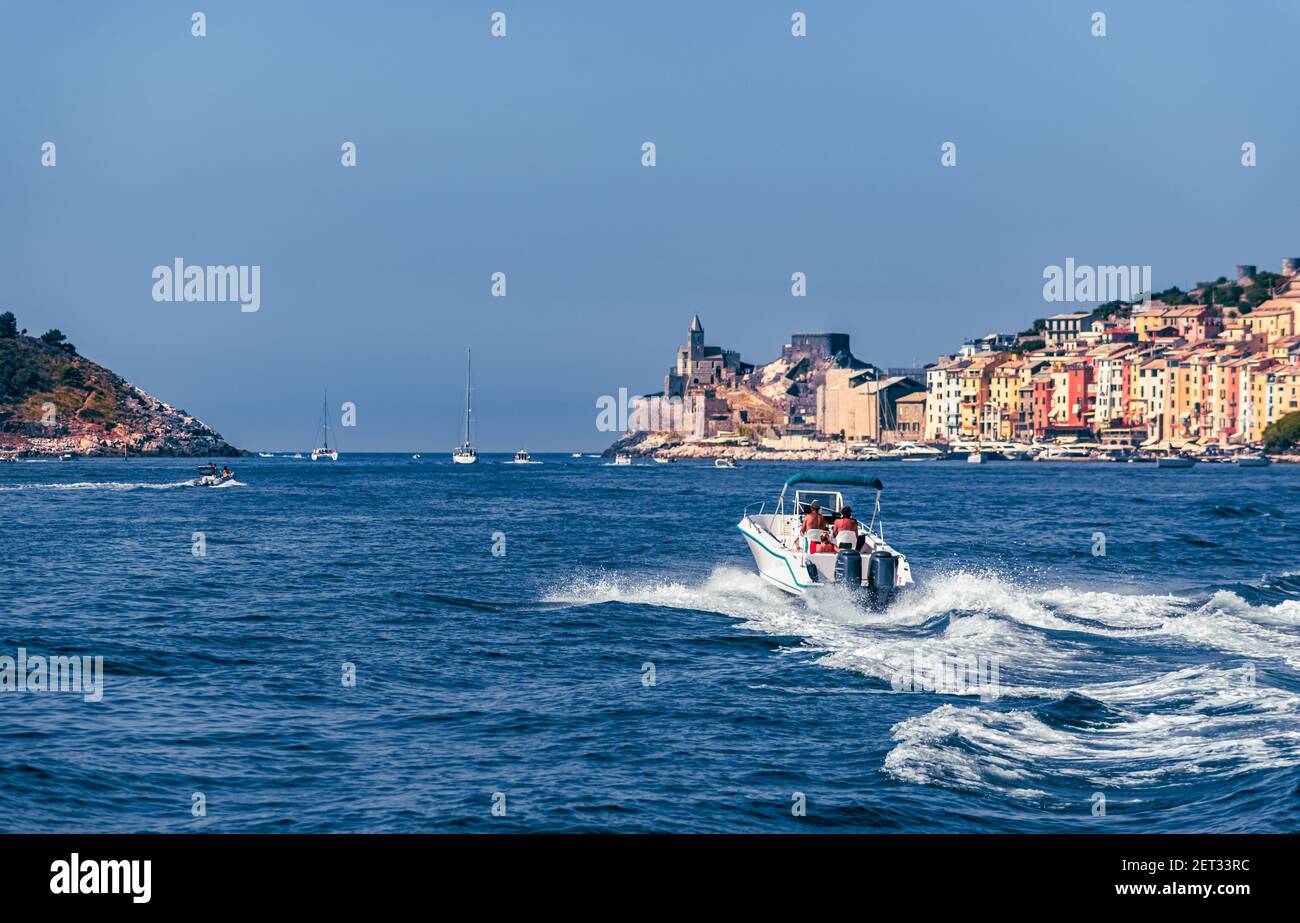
(848, 568)
(882, 571)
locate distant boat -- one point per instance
(910, 451)
(464, 454)
(577, 455)
(1253, 461)
(265, 455)
(1069, 452)
(522, 458)
(66, 456)
(297, 455)
(662, 459)
(416, 455)
(1175, 461)
(622, 459)
(724, 462)
(975, 458)
(324, 450)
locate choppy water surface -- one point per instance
(1164, 675)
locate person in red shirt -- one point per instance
(846, 523)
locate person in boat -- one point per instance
(225, 472)
(814, 519)
(822, 547)
(846, 523)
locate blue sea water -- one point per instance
(1162, 676)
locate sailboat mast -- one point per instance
(325, 418)
(468, 367)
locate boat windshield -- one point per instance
(830, 500)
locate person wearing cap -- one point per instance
(814, 519)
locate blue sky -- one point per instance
(522, 155)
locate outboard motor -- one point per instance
(848, 568)
(882, 572)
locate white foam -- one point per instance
(1038, 634)
(1203, 720)
(99, 485)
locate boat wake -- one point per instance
(1075, 687)
(116, 485)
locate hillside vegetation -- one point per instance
(53, 400)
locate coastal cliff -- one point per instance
(54, 401)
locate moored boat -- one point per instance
(1175, 461)
(464, 454)
(1253, 461)
(722, 461)
(324, 450)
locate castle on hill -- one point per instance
(710, 392)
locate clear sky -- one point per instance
(522, 155)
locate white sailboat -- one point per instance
(464, 454)
(324, 450)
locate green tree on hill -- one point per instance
(1283, 434)
(8, 326)
(54, 337)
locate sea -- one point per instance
(400, 644)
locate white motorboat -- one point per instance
(622, 459)
(792, 560)
(1077, 452)
(577, 455)
(523, 458)
(975, 458)
(662, 460)
(417, 456)
(1175, 461)
(324, 450)
(265, 455)
(464, 454)
(209, 476)
(911, 451)
(1253, 461)
(723, 461)
(66, 456)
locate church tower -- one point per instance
(695, 341)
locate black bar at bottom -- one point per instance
(331, 872)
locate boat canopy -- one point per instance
(844, 480)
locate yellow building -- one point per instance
(1274, 319)
(1006, 404)
(976, 380)
(1282, 394)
